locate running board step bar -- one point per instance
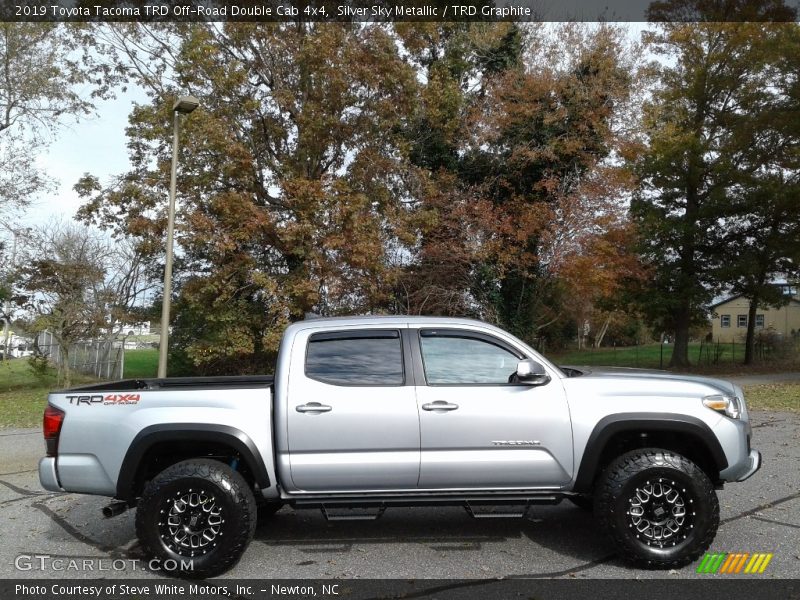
(353, 516)
(488, 512)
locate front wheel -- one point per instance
(658, 507)
(197, 516)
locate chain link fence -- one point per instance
(104, 359)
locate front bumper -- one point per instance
(753, 465)
(48, 476)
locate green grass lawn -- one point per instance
(23, 395)
(649, 356)
(141, 363)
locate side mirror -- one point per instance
(531, 372)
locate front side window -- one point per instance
(458, 359)
(725, 321)
(741, 320)
(760, 321)
(365, 357)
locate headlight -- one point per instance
(725, 404)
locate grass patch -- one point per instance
(633, 356)
(23, 395)
(773, 396)
(650, 356)
(141, 363)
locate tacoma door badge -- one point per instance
(516, 443)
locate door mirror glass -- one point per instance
(531, 372)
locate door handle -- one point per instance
(313, 407)
(439, 405)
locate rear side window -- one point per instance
(364, 357)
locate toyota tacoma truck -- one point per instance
(365, 413)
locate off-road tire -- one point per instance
(618, 495)
(224, 510)
(584, 502)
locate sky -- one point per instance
(95, 145)
(98, 145)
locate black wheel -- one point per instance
(658, 507)
(267, 509)
(583, 501)
(197, 512)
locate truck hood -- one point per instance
(648, 375)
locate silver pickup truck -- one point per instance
(365, 413)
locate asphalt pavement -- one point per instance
(758, 515)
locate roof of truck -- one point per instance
(391, 319)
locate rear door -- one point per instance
(352, 412)
(478, 430)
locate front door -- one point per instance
(480, 430)
(352, 414)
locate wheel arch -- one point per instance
(674, 431)
(166, 436)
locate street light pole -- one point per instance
(184, 105)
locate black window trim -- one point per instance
(464, 334)
(355, 334)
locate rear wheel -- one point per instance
(198, 515)
(658, 507)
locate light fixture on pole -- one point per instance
(183, 105)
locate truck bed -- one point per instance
(184, 383)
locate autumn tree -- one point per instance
(456, 62)
(292, 179)
(520, 127)
(705, 124)
(62, 268)
(79, 285)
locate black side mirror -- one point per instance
(531, 372)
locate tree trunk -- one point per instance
(750, 340)
(680, 350)
(65, 368)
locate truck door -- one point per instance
(477, 429)
(352, 412)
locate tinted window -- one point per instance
(464, 360)
(356, 358)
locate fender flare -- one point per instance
(181, 432)
(611, 425)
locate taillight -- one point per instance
(51, 425)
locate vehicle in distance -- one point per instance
(372, 412)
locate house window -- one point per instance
(760, 321)
(741, 320)
(725, 321)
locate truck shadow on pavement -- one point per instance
(563, 530)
